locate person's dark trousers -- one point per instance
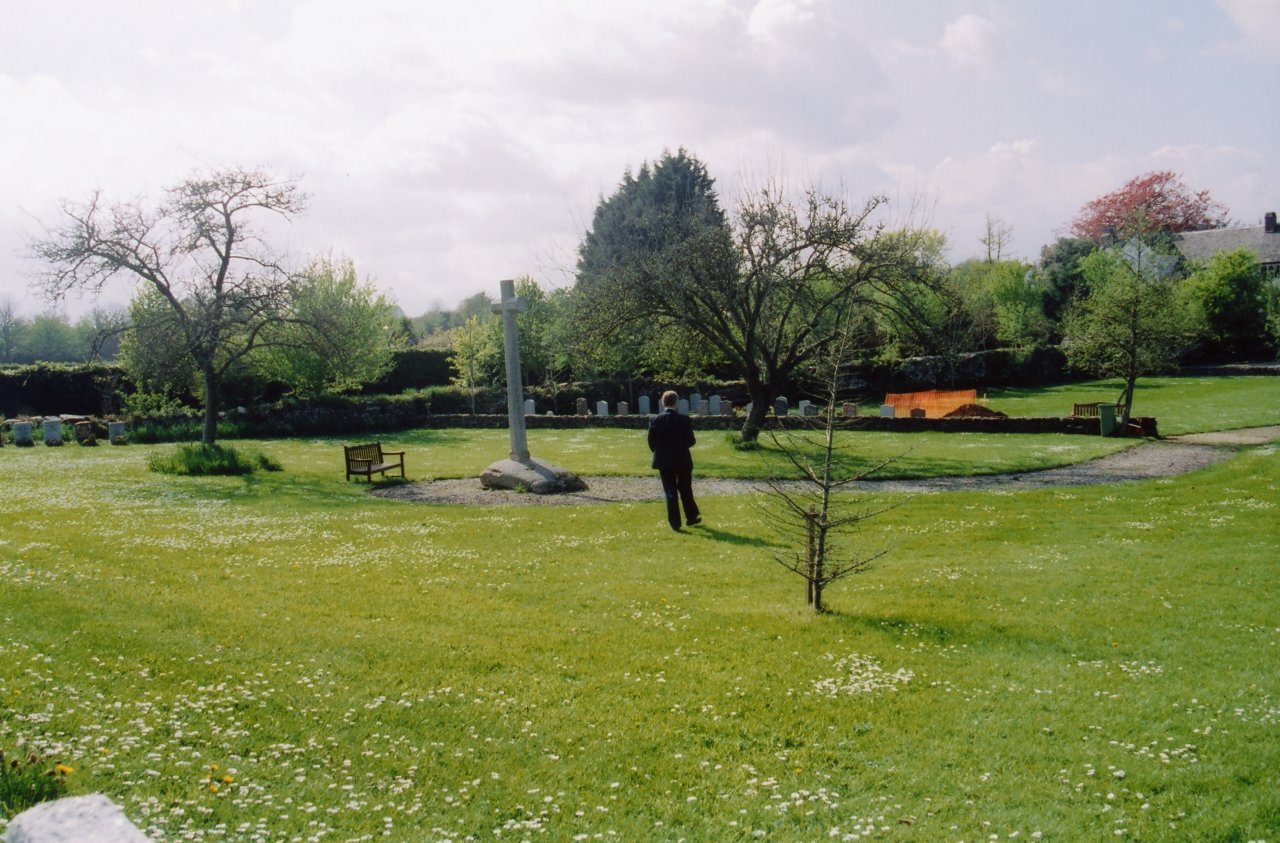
(677, 486)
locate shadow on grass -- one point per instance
(703, 531)
(963, 632)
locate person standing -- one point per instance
(670, 438)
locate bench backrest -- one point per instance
(372, 452)
(1090, 410)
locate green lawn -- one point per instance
(434, 454)
(286, 658)
(1180, 405)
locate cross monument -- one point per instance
(519, 470)
(509, 306)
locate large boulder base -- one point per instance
(78, 819)
(533, 475)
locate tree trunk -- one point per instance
(1122, 424)
(210, 432)
(811, 568)
(760, 400)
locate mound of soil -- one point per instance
(974, 411)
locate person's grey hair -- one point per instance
(670, 398)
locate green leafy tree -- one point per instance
(200, 251)
(1021, 321)
(1127, 326)
(12, 328)
(154, 352)
(1059, 273)
(50, 338)
(340, 333)
(1226, 303)
(472, 356)
(766, 293)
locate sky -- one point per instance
(447, 145)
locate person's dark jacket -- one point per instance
(670, 438)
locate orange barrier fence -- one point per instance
(935, 402)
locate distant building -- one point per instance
(1263, 240)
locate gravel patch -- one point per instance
(1148, 461)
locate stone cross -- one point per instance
(509, 306)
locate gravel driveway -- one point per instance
(1164, 458)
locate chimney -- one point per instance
(1269, 222)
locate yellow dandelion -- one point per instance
(213, 766)
(228, 779)
(63, 769)
(213, 787)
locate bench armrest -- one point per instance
(393, 453)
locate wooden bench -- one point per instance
(1090, 411)
(368, 460)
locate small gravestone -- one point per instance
(695, 401)
(713, 404)
(849, 410)
(115, 433)
(644, 405)
(803, 407)
(704, 407)
(53, 431)
(602, 408)
(747, 409)
(580, 406)
(917, 412)
(22, 434)
(529, 407)
(682, 406)
(85, 434)
(624, 409)
(808, 409)
(726, 408)
(886, 411)
(780, 407)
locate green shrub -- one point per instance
(198, 460)
(737, 443)
(144, 403)
(29, 782)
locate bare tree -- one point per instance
(999, 237)
(198, 251)
(11, 327)
(810, 507)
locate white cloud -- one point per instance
(1025, 146)
(772, 19)
(1258, 22)
(969, 41)
(446, 145)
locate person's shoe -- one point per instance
(676, 527)
(697, 519)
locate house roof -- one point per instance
(1200, 246)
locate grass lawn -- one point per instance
(434, 454)
(283, 657)
(1180, 405)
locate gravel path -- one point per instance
(1165, 458)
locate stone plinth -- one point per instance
(74, 820)
(533, 475)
